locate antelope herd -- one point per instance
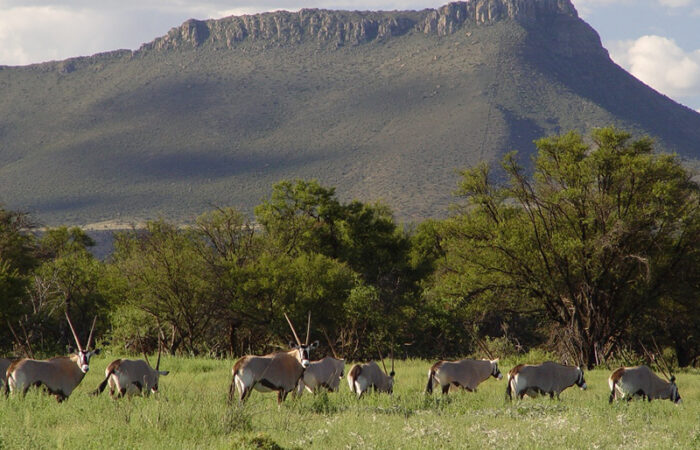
(293, 371)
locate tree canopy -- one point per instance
(592, 241)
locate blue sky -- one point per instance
(658, 41)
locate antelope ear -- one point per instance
(292, 344)
(163, 372)
(314, 344)
(96, 351)
(71, 349)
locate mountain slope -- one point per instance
(385, 106)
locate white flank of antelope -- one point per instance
(60, 375)
(541, 379)
(627, 382)
(325, 373)
(363, 377)
(467, 374)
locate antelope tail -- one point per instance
(612, 392)
(431, 375)
(354, 373)
(112, 367)
(509, 390)
(232, 389)
(102, 385)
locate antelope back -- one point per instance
(138, 371)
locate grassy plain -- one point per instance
(191, 411)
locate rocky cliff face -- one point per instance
(352, 28)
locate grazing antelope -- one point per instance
(546, 378)
(363, 377)
(467, 374)
(60, 375)
(280, 371)
(127, 377)
(641, 381)
(325, 373)
(4, 364)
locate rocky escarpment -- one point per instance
(352, 28)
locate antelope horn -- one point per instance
(666, 367)
(392, 358)
(382, 358)
(143, 350)
(330, 344)
(292, 327)
(308, 329)
(91, 331)
(160, 348)
(75, 335)
(26, 350)
(484, 348)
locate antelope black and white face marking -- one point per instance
(84, 359)
(303, 352)
(495, 372)
(675, 396)
(580, 381)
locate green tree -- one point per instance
(304, 217)
(17, 260)
(67, 280)
(593, 240)
(160, 272)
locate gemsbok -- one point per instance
(279, 372)
(363, 377)
(4, 364)
(128, 377)
(627, 382)
(325, 373)
(541, 379)
(60, 375)
(466, 373)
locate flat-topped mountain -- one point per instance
(383, 105)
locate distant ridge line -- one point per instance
(356, 27)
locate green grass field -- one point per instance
(191, 411)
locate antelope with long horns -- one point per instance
(60, 375)
(627, 382)
(467, 374)
(279, 372)
(128, 377)
(546, 378)
(325, 373)
(363, 377)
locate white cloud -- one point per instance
(28, 34)
(587, 7)
(676, 3)
(661, 63)
(33, 31)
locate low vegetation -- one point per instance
(191, 411)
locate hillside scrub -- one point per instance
(589, 258)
